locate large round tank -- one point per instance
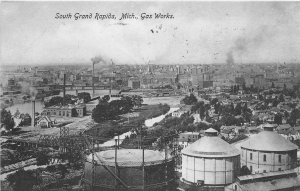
(268, 152)
(157, 174)
(210, 161)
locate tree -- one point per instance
(281, 98)
(196, 107)
(137, 100)
(217, 107)
(235, 89)
(101, 112)
(63, 170)
(26, 119)
(58, 100)
(275, 102)
(214, 101)
(295, 114)
(202, 112)
(42, 158)
(237, 109)
(127, 104)
(106, 98)
(22, 180)
(273, 85)
(85, 96)
(7, 120)
(74, 112)
(189, 100)
(278, 119)
(229, 120)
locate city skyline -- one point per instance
(200, 33)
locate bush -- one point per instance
(42, 158)
(189, 100)
(22, 180)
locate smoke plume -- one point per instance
(97, 60)
(28, 89)
(229, 59)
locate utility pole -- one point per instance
(93, 79)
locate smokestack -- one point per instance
(93, 79)
(33, 114)
(64, 91)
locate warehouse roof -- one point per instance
(271, 181)
(268, 140)
(210, 146)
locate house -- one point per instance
(283, 129)
(187, 138)
(253, 129)
(45, 122)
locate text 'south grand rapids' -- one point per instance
(123, 16)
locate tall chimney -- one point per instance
(33, 114)
(64, 90)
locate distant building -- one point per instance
(65, 111)
(259, 81)
(187, 138)
(134, 83)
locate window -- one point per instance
(59, 113)
(250, 156)
(279, 169)
(250, 168)
(279, 158)
(265, 158)
(265, 171)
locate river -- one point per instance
(150, 122)
(27, 106)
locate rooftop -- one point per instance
(268, 140)
(210, 146)
(130, 157)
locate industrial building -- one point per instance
(65, 111)
(210, 161)
(134, 83)
(138, 169)
(268, 152)
(280, 180)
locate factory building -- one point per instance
(268, 152)
(210, 161)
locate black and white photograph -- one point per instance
(150, 95)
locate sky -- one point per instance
(200, 33)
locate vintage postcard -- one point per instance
(150, 95)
